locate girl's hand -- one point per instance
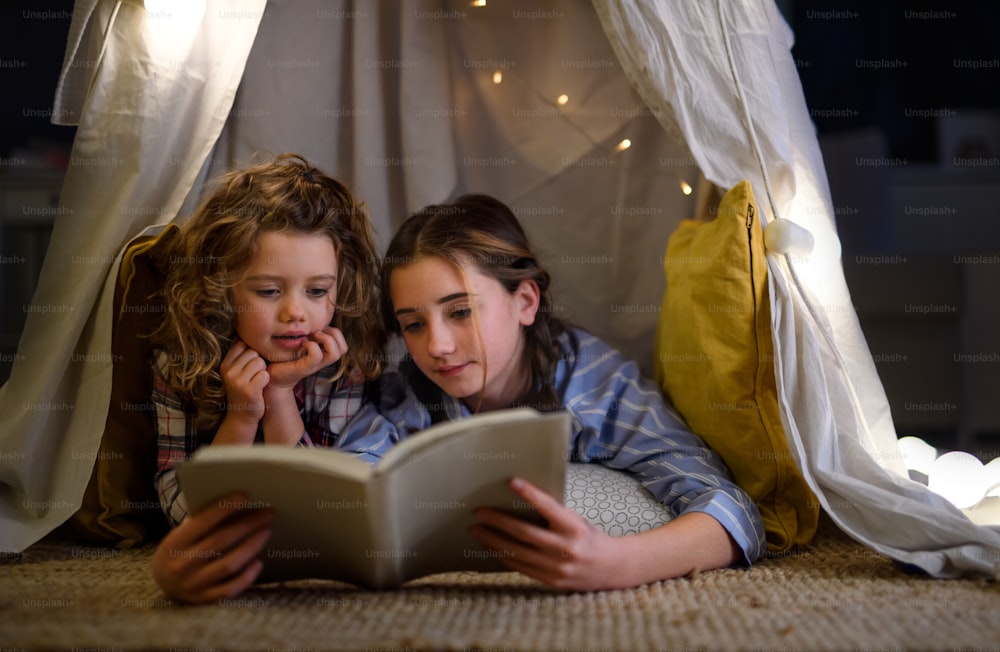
(213, 554)
(245, 375)
(569, 554)
(323, 348)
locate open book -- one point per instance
(336, 517)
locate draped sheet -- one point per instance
(403, 101)
(152, 109)
(746, 118)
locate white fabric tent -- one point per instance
(401, 101)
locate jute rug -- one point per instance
(831, 595)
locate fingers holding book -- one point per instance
(570, 553)
(213, 554)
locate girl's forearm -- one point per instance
(235, 430)
(691, 542)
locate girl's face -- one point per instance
(288, 292)
(434, 308)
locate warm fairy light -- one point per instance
(959, 477)
(169, 27)
(562, 100)
(788, 238)
(956, 475)
(193, 9)
(478, 3)
(918, 455)
(993, 471)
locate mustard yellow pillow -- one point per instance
(120, 505)
(715, 360)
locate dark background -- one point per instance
(32, 50)
(826, 49)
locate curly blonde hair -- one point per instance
(286, 195)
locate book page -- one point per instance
(329, 460)
(434, 488)
(422, 440)
(322, 518)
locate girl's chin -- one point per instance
(467, 392)
(285, 356)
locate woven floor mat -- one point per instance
(831, 595)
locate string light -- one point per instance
(477, 3)
(917, 454)
(957, 476)
(187, 9)
(561, 101)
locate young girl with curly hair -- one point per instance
(270, 335)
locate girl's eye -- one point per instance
(411, 327)
(319, 292)
(267, 292)
(461, 313)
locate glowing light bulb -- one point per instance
(917, 454)
(187, 9)
(625, 144)
(562, 99)
(497, 77)
(992, 472)
(786, 237)
(959, 477)
(477, 3)
(686, 187)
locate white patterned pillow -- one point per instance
(612, 500)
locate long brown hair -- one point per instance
(286, 195)
(482, 230)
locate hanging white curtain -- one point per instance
(151, 108)
(723, 73)
(340, 82)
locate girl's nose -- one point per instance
(292, 310)
(439, 341)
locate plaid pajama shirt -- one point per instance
(325, 407)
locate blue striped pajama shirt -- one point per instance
(619, 420)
